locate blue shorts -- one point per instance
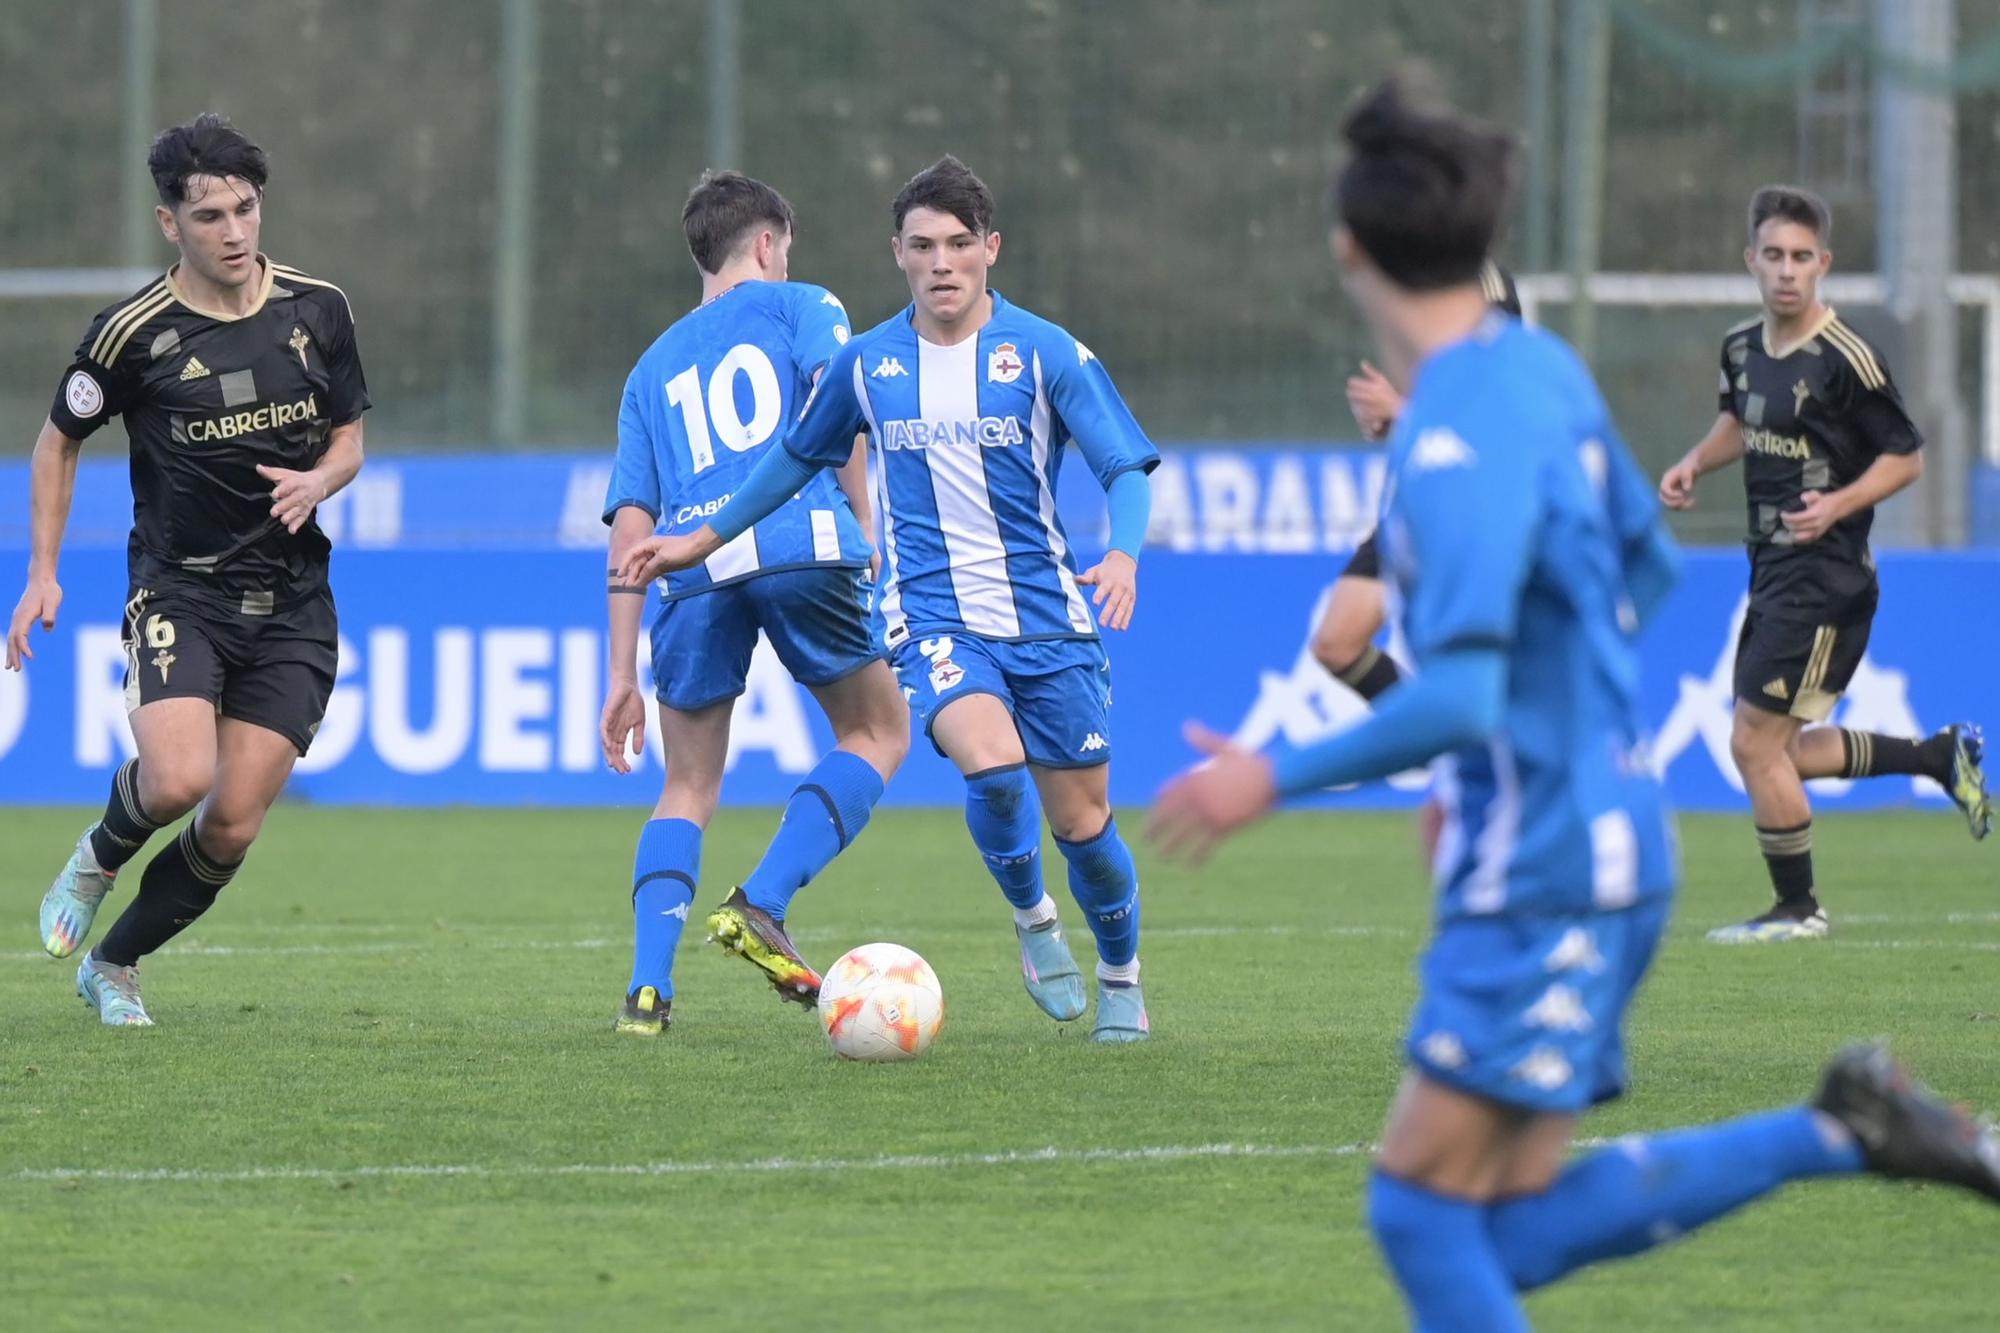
(1059, 690)
(816, 619)
(1528, 1010)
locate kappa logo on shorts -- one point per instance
(1560, 1010)
(1093, 742)
(1443, 1049)
(1545, 1067)
(1575, 951)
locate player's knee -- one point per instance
(169, 790)
(226, 834)
(1755, 748)
(1079, 820)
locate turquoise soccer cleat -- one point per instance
(70, 906)
(115, 992)
(1121, 1014)
(1776, 926)
(1050, 972)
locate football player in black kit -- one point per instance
(1344, 639)
(242, 395)
(1807, 404)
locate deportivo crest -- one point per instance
(1005, 365)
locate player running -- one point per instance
(969, 400)
(1808, 405)
(242, 394)
(699, 409)
(1526, 549)
(1344, 639)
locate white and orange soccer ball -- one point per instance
(880, 1002)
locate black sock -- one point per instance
(1788, 856)
(1871, 754)
(1370, 674)
(125, 826)
(178, 886)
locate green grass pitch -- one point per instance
(383, 1093)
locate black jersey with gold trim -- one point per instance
(206, 398)
(1814, 419)
(1496, 284)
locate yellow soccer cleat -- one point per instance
(752, 934)
(646, 1014)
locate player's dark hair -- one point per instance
(208, 145)
(1791, 204)
(948, 186)
(723, 209)
(1423, 188)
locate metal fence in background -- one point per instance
(497, 183)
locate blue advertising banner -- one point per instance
(475, 676)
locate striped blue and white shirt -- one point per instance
(721, 383)
(965, 445)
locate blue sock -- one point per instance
(826, 813)
(1005, 816)
(1642, 1192)
(1105, 884)
(663, 878)
(1441, 1256)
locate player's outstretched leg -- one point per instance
(1105, 883)
(1953, 757)
(1967, 783)
(825, 815)
(69, 909)
(1004, 814)
(665, 868)
(180, 884)
(1867, 1116)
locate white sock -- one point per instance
(1043, 912)
(1124, 974)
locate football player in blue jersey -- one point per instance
(701, 405)
(1526, 549)
(968, 401)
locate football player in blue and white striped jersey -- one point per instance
(968, 401)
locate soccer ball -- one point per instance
(880, 1002)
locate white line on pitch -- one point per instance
(751, 1166)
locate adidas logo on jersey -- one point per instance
(193, 370)
(1093, 742)
(1438, 449)
(889, 368)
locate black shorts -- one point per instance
(1366, 563)
(1789, 665)
(274, 671)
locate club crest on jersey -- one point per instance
(298, 342)
(1005, 365)
(1800, 392)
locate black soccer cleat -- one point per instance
(1903, 1128)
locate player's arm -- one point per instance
(51, 488)
(823, 438)
(1719, 448)
(1650, 557)
(294, 495)
(853, 478)
(1470, 523)
(1122, 458)
(632, 509)
(1878, 412)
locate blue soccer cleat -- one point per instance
(1121, 1014)
(1050, 972)
(70, 906)
(115, 992)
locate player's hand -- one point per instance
(1230, 789)
(874, 565)
(622, 732)
(1116, 578)
(294, 495)
(1818, 511)
(1677, 487)
(1373, 400)
(664, 555)
(40, 601)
